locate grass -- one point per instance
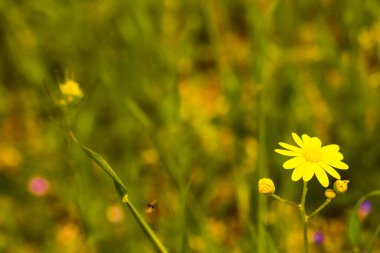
(186, 101)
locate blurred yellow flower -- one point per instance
(71, 89)
(10, 157)
(67, 234)
(311, 158)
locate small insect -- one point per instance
(151, 207)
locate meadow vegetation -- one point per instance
(186, 101)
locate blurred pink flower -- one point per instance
(38, 185)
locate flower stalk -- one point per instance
(267, 187)
(304, 217)
(308, 159)
(327, 201)
(275, 196)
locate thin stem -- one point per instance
(327, 201)
(122, 191)
(304, 217)
(145, 227)
(283, 200)
(304, 192)
(305, 239)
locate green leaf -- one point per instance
(354, 227)
(271, 246)
(119, 189)
(122, 191)
(98, 159)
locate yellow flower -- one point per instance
(266, 186)
(70, 89)
(311, 158)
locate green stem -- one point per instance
(305, 239)
(275, 196)
(327, 201)
(145, 227)
(304, 217)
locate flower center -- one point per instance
(312, 155)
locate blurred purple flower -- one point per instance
(365, 208)
(38, 186)
(318, 237)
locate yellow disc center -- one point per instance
(312, 155)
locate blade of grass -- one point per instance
(122, 191)
(258, 24)
(373, 239)
(135, 109)
(145, 227)
(101, 162)
(165, 156)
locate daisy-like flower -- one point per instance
(311, 158)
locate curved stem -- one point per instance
(145, 227)
(283, 200)
(327, 201)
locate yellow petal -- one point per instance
(337, 164)
(306, 140)
(298, 140)
(308, 171)
(286, 152)
(321, 176)
(330, 148)
(297, 173)
(290, 147)
(332, 155)
(316, 142)
(330, 170)
(294, 162)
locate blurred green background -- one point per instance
(172, 93)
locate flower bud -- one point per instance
(266, 186)
(330, 194)
(341, 186)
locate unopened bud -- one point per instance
(341, 186)
(266, 186)
(330, 194)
